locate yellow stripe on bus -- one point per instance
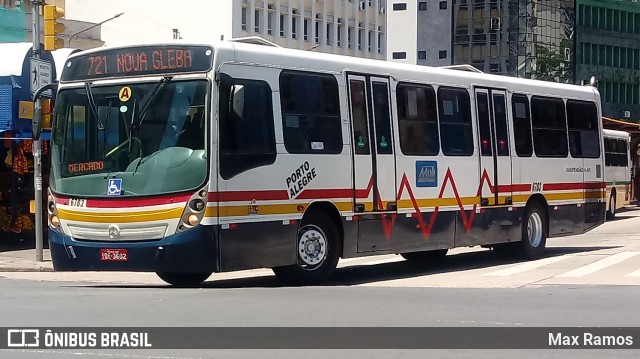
(120, 217)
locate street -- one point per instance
(587, 280)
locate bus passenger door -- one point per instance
(373, 161)
(495, 162)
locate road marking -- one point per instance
(634, 274)
(601, 264)
(525, 267)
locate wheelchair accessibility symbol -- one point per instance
(115, 187)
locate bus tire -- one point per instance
(318, 251)
(611, 213)
(183, 279)
(433, 256)
(534, 232)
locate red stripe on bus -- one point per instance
(514, 188)
(129, 202)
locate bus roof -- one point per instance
(615, 133)
(317, 61)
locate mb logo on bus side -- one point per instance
(426, 174)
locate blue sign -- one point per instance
(426, 174)
(115, 187)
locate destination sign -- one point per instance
(138, 61)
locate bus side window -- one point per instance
(418, 120)
(454, 114)
(582, 118)
(310, 113)
(549, 127)
(247, 140)
(522, 125)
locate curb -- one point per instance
(23, 269)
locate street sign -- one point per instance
(41, 73)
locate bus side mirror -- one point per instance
(236, 100)
(36, 122)
(47, 90)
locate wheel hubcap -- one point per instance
(312, 247)
(534, 229)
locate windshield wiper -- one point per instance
(92, 104)
(156, 90)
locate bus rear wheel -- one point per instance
(434, 256)
(534, 232)
(317, 247)
(183, 279)
(611, 213)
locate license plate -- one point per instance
(114, 255)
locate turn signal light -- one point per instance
(192, 220)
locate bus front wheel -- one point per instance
(317, 248)
(534, 232)
(183, 279)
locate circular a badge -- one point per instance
(125, 94)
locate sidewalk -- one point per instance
(24, 260)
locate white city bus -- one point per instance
(617, 170)
(188, 159)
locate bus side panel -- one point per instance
(257, 245)
(490, 225)
(436, 233)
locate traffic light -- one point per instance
(52, 28)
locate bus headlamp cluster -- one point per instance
(52, 211)
(194, 211)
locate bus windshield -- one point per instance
(130, 139)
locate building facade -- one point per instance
(16, 25)
(346, 27)
(526, 38)
(608, 47)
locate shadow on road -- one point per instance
(363, 274)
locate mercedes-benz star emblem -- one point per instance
(114, 231)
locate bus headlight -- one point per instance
(194, 211)
(55, 221)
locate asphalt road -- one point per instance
(585, 281)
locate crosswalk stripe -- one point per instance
(634, 274)
(601, 264)
(525, 267)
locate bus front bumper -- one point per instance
(192, 251)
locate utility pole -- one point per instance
(37, 145)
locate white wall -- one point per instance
(402, 31)
(154, 20)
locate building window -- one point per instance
(294, 27)
(422, 55)
(418, 120)
(454, 110)
(399, 55)
(317, 32)
(549, 127)
(443, 5)
(257, 21)
(244, 18)
(247, 137)
(400, 6)
(305, 29)
(282, 25)
(269, 23)
(442, 54)
(310, 113)
(422, 5)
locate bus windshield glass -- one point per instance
(130, 139)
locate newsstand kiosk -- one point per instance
(17, 81)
